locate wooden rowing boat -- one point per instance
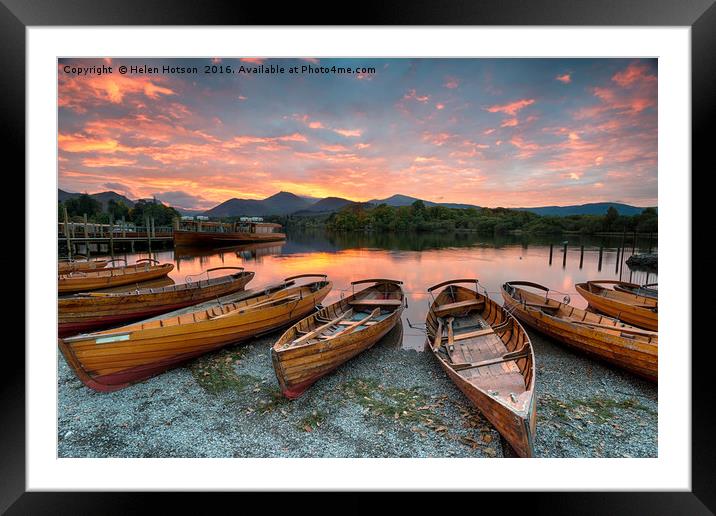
(67, 266)
(113, 359)
(639, 290)
(602, 337)
(633, 309)
(318, 344)
(93, 310)
(82, 281)
(488, 355)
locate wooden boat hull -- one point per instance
(112, 277)
(113, 359)
(297, 368)
(632, 288)
(207, 238)
(625, 306)
(67, 267)
(633, 355)
(502, 389)
(85, 312)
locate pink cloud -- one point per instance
(634, 73)
(451, 83)
(511, 108)
(565, 78)
(349, 133)
(413, 95)
(510, 122)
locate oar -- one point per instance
(633, 331)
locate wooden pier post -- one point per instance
(650, 243)
(581, 256)
(111, 235)
(67, 232)
(87, 248)
(633, 245)
(149, 235)
(550, 253)
(564, 256)
(124, 229)
(601, 253)
(620, 263)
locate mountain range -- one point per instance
(287, 203)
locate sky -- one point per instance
(490, 132)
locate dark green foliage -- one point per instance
(497, 221)
(163, 215)
(78, 206)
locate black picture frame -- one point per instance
(700, 15)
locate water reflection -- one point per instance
(419, 260)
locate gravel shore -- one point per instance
(387, 402)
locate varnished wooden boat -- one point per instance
(67, 266)
(113, 359)
(218, 234)
(641, 311)
(82, 281)
(93, 310)
(488, 355)
(639, 290)
(321, 342)
(602, 337)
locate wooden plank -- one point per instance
(507, 357)
(472, 334)
(355, 325)
(348, 323)
(633, 331)
(438, 336)
(318, 330)
(450, 337)
(469, 303)
(376, 302)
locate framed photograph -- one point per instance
(428, 253)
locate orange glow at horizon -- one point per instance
(440, 130)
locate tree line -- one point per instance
(419, 217)
(83, 204)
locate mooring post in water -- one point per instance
(650, 245)
(633, 245)
(601, 252)
(550, 253)
(86, 238)
(67, 232)
(149, 236)
(111, 235)
(564, 257)
(581, 256)
(620, 262)
(617, 266)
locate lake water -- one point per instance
(419, 260)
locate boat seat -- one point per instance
(376, 302)
(468, 303)
(470, 334)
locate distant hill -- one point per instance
(286, 203)
(597, 208)
(400, 200)
(282, 203)
(102, 197)
(406, 200)
(329, 204)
